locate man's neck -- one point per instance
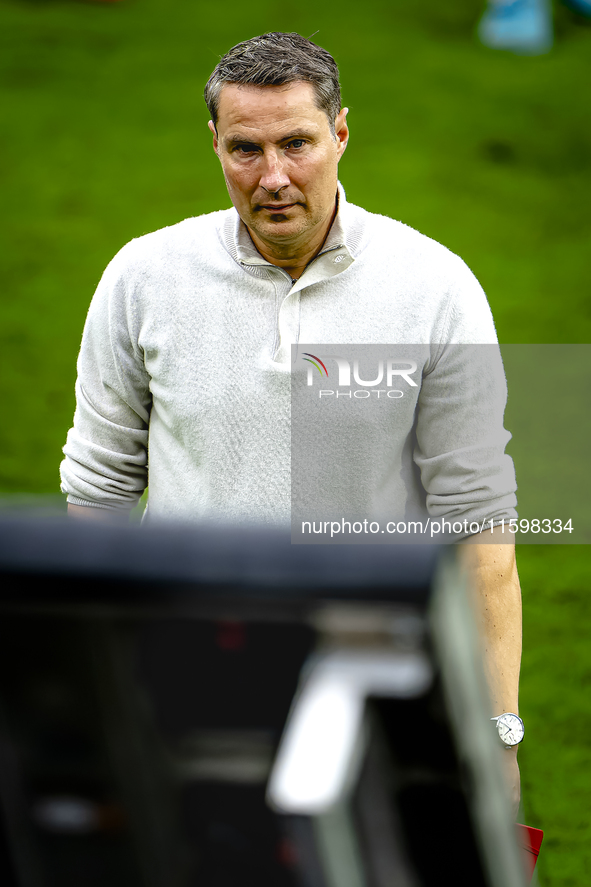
(294, 259)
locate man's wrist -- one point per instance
(96, 513)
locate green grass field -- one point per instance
(103, 137)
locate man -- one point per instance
(187, 342)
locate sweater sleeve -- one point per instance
(460, 434)
(106, 452)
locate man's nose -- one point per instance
(273, 175)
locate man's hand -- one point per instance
(497, 606)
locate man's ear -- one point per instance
(211, 125)
(341, 131)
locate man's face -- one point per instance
(279, 159)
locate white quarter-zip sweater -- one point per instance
(185, 366)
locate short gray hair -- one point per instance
(276, 59)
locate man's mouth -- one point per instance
(277, 207)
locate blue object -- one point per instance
(522, 26)
(583, 7)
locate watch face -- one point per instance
(510, 729)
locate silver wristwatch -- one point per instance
(510, 729)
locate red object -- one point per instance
(530, 840)
(286, 853)
(230, 636)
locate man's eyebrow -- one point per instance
(298, 134)
(238, 140)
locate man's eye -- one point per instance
(297, 143)
(245, 149)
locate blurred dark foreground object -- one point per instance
(213, 706)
